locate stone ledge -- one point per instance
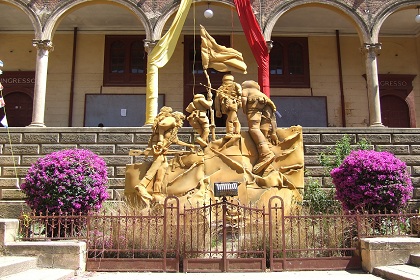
(52, 254)
(8, 230)
(383, 251)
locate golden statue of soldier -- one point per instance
(228, 102)
(198, 117)
(265, 161)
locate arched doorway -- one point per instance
(395, 112)
(397, 100)
(18, 109)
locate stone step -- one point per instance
(12, 265)
(397, 272)
(415, 259)
(42, 274)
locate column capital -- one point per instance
(149, 44)
(371, 47)
(45, 45)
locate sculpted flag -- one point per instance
(256, 41)
(219, 57)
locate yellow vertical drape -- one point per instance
(158, 58)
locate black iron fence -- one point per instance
(222, 236)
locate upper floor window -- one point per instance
(125, 61)
(289, 62)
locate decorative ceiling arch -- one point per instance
(23, 6)
(54, 18)
(360, 25)
(386, 11)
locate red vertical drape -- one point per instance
(256, 41)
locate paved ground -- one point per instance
(301, 275)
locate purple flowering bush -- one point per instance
(66, 181)
(371, 180)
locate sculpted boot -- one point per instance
(142, 191)
(266, 156)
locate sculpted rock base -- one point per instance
(190, 175)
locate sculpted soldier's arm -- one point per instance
(206, 103)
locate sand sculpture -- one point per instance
(262, 161)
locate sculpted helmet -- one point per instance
(250, 84)
(228, 77)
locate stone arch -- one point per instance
(52, 22)
(388, 10)
(29, 12)
(359, 24)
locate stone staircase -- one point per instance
(20, 267)
(36, 260)
(409, 271)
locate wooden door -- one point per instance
(394, 111)
(18, 109)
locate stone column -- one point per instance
(43, 49)
(371, 52)
(151, 80)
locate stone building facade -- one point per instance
(338, 67)
(357, 60)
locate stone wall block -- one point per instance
(395, 149)
(415, 181)
(110, 171)
(49, 148)
(120, 171)
(78, 138)
(415, 149)
(375, 138)
(334, 138)
(125, 149)
(410, 159)
(116, 138)
(13, 171)
(8, 183)
(116, 183)
(12, 194)
(14, 138)
(117, 160)
(311, 160)
(29, 160)
(40, 138)
(311, 138)
(314, 171)
(142, 138)
(406, 138)
(416, 193)
(99, 149)
(9, 160)
(415, 170)
(21, 149)
(317, 149)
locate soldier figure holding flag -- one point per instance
(228, 101)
